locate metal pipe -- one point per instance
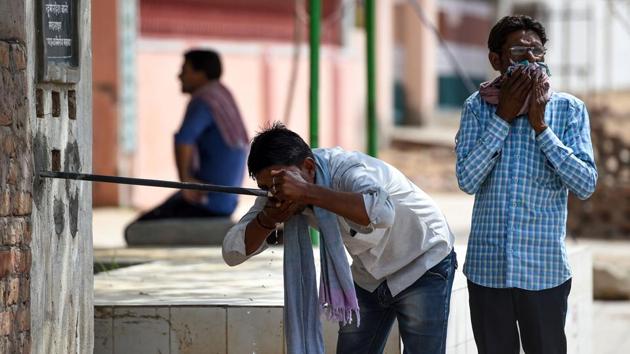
(153, 183)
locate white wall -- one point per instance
(592, 41)
(258, 75)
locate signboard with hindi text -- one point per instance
(58, 41)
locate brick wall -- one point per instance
(15, 201)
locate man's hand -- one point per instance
(288, 190)
(537, 104)
(289, 185)
(193, 196)
(513, 93)
(276, 212)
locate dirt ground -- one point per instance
(430, 168)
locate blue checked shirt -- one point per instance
(521, 183)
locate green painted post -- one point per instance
(314, 37)
(314, 34)
(370, 28)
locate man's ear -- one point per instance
(495, 60)
(308, 166)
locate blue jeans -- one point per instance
(421, 309)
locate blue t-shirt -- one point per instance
(218, 163)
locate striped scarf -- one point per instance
(337, 296)
(225, 112)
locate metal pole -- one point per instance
(370, 28)
(314, 38)
(152, 183)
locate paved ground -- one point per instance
(611, 327)
(611, 320)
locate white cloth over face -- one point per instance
(489, 90)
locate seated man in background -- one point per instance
(211, 144)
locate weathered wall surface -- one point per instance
(106, 94)
(15, 188)
(46, 250)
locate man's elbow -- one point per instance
(384, 223)
(232, 258)
(587, 192)
(467, 186)
(465, 183)
(385, 219)
(589, 188)
(583, 195)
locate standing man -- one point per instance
(520, 149)
(401, 246)
(211, 144)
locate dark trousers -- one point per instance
(421, 309)
(176, 207)
(540, 316)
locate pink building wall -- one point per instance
(258, 75)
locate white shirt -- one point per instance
(407, 234)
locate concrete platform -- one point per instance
(189, 301)
(195, 304)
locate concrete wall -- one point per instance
(15, 183)
(61, 273)
(202, 329)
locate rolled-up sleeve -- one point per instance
(234, 242)
(355, 177)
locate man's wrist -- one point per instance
(263, 224)
(310, 194)
(540, 129)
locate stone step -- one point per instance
(178, 232)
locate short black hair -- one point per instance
(509, 24)
(207, 61)
(276, 145)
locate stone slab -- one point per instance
(141, 330)
(104, 329)
(255, 330)
(196, 329)
(178, 232)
